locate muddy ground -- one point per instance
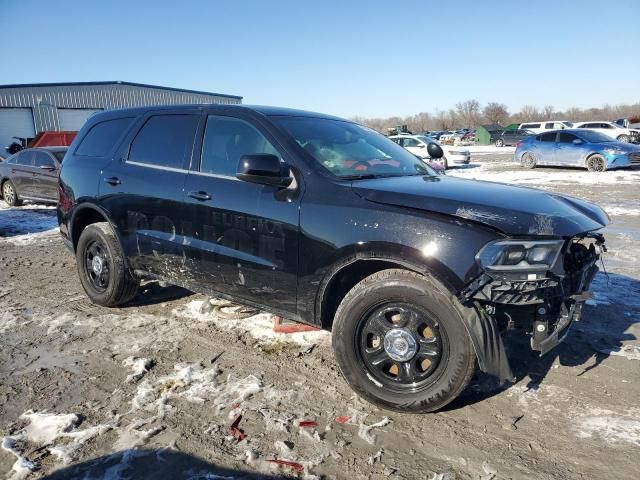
(149, 390)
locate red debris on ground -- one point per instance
(292, 327)
(235, 405)
(235, 431)
(343, 419)
(307, 423)
(293, 465)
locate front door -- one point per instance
(244, 236)
(22, 173)
(142, 188)
(46, 169)
(568, 153)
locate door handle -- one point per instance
(202, 196)
(113, 181)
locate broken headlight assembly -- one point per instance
(519, 255)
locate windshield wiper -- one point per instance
(368, 176)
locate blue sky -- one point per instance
(370, 58)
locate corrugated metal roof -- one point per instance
(116, 82)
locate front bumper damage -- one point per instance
(544, 305)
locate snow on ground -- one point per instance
(488, 150)
(30, 223)
(536, 177)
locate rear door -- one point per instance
(142, 188)
(22, 173)
(46, 168)
(244, 238)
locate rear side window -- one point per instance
(226, 139)
(547, 137)
(101, 138)
(42, 159)
(165, 141)
(531, 125)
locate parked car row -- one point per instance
(419, 146)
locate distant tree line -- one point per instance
(471, 114)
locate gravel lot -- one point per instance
(150, 390)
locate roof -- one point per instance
(116, 82)
(264, 110)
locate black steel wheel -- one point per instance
(401, 346)
(401, 342)
(9, 194)
(102, 266)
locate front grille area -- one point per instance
(634, 158)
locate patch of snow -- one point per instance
(517, 175)
(21, 467)
(365, 433)
(616, 211)
(196, 384)
(28, 224)
(610, 427)
(44, 428)
(139, 365)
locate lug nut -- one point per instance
(542, 311)
(541, 328)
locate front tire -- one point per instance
(400, 342)
(623, 138)
(10, 195)
(596, 163)
(500, 143)
(101, 266)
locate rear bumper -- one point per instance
(459, 159)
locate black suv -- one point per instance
(327, 222)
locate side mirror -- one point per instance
(577, 141)
(264, 169)
(435, 150)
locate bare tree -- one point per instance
(469, 113)
(496, 112)
(548, 112)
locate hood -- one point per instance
(509, 209)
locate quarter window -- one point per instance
(165, 141)
(410, 142)
(531, 125)
(226, 139)
(102, 137)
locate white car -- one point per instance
(611, 129)
(417, 144)
(546, 125)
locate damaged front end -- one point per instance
(538, 286)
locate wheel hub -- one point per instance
(96, 265)
(400, 345)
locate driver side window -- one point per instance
(226, 140)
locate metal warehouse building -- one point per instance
(26, 110)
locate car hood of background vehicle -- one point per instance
(509, 209)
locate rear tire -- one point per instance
(101, 267)
(421, 314)
(623, 138)
(10, 194)
(528, 160)
(596, 163)
(500, 143)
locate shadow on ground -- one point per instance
(605, 325)
(156, 464)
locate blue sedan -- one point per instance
(576, 148)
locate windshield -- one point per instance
(568, 124)
(426, 139)
(595, 137)
(351, 151)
